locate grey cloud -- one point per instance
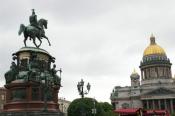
(101, 41)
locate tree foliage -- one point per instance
(107, 109)
(84, 106)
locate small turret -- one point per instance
(135, 79)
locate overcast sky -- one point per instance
(101, 41)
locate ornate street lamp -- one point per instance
(80, 87)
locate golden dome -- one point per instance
(134, 74)
(153, 48)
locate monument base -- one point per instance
(31, 114)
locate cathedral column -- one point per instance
(167, 72)
(163, 69)
(165, 104)
(153, 103)
(159, 104)
(142, 74)
(147, 104)
(170, 73)
(149, 73)
(157, 72)
(171, 105)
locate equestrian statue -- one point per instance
(34, 30)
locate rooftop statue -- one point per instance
(34, 30)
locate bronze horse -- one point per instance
(34, 32)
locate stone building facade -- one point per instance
(2, 98)
(63, 105)
(155, 89)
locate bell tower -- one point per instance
(135, 79)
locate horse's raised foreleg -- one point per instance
(35, 42)
(47, 39)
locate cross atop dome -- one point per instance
(152, 39)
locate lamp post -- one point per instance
(80, 87)
(94, 109)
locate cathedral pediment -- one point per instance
(159, 91)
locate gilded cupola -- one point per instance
(134, 74)
(153, 48)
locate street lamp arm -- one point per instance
(80, 87)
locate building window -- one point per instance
(125, 105)
(3, 97)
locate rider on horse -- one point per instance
(34, 30)
(33, 20)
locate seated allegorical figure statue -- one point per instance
(12, 73)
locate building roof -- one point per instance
(23, 49)
(127, 111)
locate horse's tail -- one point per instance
(21, 29)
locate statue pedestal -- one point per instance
(32, 91)
(21, 98)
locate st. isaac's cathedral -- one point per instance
(154, 89)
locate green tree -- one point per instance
(107, 109)
(84, 106)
